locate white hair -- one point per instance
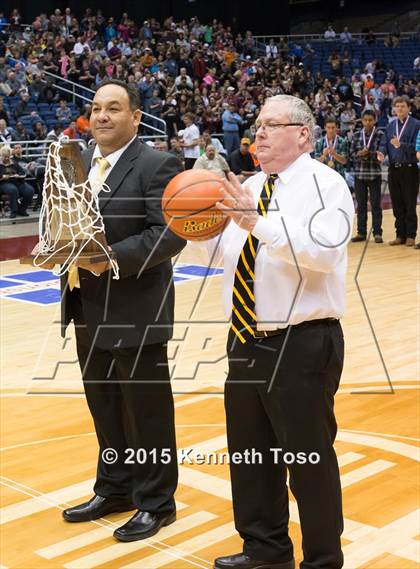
(298, 111)
(5, 150)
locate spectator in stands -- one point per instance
(347, 118)
(271, 50)
(13, 84)
(39, 131)
(47, 63)
(206, 139)
(6, 133)
(49, 92)
(329, 33)
(399, 144)
(367, 175)
(21, 132)
(213, 161)
(55, 133)
(83, 122)
(170, 115)
(332, 149)
(415, 108)
(190, 141)
(161, 145)
(388, 88)
(4, 115)
(345, 36)
(241, 162)
(3, 21)
(23, 106)
(184, 78)
(176, 149)
(71, 131)
(344, 89)
(369, 104)
(231, 122)
(63, 112)
(35, 88)
(145, 32)
(13, 185)
(370, 37)
(155, 107)
(335, 61)
(32, 168)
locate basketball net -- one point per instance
(69, 218)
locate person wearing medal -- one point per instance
(367, 176)
(399, 144)
(332, 149)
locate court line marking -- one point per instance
(364, 472)
(341, 391)
(224, 486)
(207, 539)
(387, 435)
(17, 486)
(395, 538)
(403, 449)
(111, 552)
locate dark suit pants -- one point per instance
(362, 187)
(130, 398)
(404, 188)
(286, 402)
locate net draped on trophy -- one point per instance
(71, 228)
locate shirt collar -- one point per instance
(286, 175)
(113, 157)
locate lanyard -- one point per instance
(329, 146)
(370, 138)
(397, 129)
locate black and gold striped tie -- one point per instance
(244, 319)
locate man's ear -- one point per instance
(137, 116)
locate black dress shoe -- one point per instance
(97, 507)
(358, 238)
(23, 213)
(143, 525)
(242, 561)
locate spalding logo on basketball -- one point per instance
(189, 205)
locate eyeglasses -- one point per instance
(272, 127)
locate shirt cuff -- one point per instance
(266, 231)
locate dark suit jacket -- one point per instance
(139, 307)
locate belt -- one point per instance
(401, 164)
(268, 333)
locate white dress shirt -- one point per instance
(302, 240)
(112, 159)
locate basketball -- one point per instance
(189, 205)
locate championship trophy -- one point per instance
(71, 228)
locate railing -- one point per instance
(39, 148)
(74, 94)
(356, 37)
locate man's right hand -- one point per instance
(380, 155)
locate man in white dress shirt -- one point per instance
(285, 262)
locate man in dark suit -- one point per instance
(123, 326)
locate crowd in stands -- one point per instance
(205, 81)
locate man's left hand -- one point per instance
(238, 203)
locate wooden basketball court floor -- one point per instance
(48, 452)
